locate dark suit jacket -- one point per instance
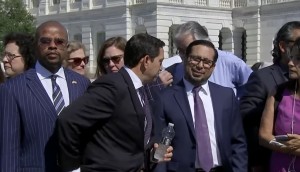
(27, 118)
(252, 103)
(228, 127)
(104, 129)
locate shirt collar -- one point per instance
(189, 86)
(137, 83)
(43, 73)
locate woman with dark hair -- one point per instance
(110, 56)
(280, 129)
(18, 55)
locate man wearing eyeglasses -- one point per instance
(209, 134)
(31, 102)
(230, 70)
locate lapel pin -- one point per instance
(74, 82)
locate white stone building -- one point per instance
(244, 27)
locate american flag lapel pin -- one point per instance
(74, 82)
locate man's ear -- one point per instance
(146, 60)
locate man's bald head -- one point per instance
(47, 24)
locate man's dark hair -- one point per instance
(25, 43)
(139, 46)
(204, 43)
(284, 34)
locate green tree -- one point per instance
(14, 18)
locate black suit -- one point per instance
(104, 129)
(252, 103)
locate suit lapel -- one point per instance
(217, 107)
(134, 97)
(38, 90)
(183, 103)
(72, 84)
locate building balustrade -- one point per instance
(46, 7)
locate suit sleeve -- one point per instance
(159, 112)
(78, 119)
(10, 131)
(253, 101)
(239, 159)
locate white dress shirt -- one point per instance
(204, 94)
(45, 77)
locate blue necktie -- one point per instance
(204, 154)
(58, 100)
(146, 107)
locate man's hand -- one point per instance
(168, 155)
(166, 78)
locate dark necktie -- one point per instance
(204, 153)
(146, 107)
(58, 100)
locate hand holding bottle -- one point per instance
(167, 156)
(163, 147)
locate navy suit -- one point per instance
(230, 137)
(27, 122)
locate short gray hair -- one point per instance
(191, 28)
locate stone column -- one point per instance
(43, 7)
(88, 42)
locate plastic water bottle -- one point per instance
(168, 134)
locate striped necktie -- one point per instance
(146, 107)
(58, 100)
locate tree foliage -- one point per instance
(15, 18)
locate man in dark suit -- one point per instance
(208, 129)
(111, 128)
(28, 110)
(257, 89)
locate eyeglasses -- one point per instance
(78, 60)
(59, 42)
(115, 59)
(195, 60)
(10, 56)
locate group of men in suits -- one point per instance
(109, 128)
(116, 123)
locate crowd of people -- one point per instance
(227, 118)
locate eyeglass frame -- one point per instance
(10, 56)
(195, 61)
(115, 59)
(84, 59)
(56, 41)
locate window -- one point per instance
(100, 40)
(220, 41)
(56, 2)
(172, 46)
(78, 37)
(35, 3)
(244, 46)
